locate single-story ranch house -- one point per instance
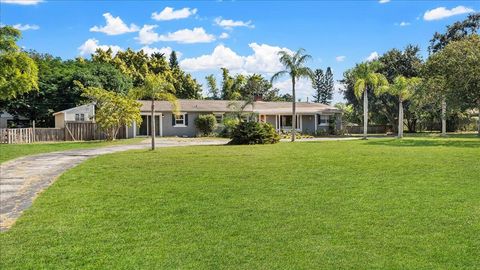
(311, 117)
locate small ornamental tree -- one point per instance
(114, 110)
(206, 124)
(254, 133)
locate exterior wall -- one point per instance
(60, 120)
(189, 131)
(308, 124)
(271, 119)
(3, 122)
(88, 111)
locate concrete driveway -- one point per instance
(22, 179)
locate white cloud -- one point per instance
(91, 45)
(229, 24)
(165, 50)
(263, 60)
(169, 13)
(24, 27)
(221, 57)
(224, 35)
(373, 56)
(303, 88)
(442, 12)
(114, 26)
(340, 58)
(404, 24)
(21, 2)
(195, 35)
(383, 1)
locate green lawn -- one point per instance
(381, 203)
(11, 151)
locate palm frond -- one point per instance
(359, 88)
(278, 75)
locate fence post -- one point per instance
(33, 131)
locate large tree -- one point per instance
(402, 88)
(212, 87)
(295, 68)
(367, 79)
(455, 32)
(457, 68)
(18, 72)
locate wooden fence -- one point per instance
(83, 131)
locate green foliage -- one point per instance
(455, 32)
(206, 124)
(173, 62)
(254, 133)
(18, 72)
(156, 87)
(323, 85)
(366, 78)
(212, 87)
(114, 110)
(228, 125)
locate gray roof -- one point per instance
(262, 107)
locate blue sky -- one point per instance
(241, 35)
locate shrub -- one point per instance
(254, 133)
(229, 124)
(206, 124)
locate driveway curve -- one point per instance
(22, 179)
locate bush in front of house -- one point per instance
(206, 124)
(254, 133)
(229, 124)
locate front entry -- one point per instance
(144, 129)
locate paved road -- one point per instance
(23, 178)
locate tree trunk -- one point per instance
(294, 111)
(444, 117)
(365, 114)
(152, 124)
(400, 119)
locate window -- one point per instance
(323, 120)
(219, 117)
(180, 120)
(79, 117)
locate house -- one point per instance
(311, 117)
(8, 120)
(83, 113)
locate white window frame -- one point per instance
(180, 125)
(320, 120)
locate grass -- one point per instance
(383, 203)
(12, 151)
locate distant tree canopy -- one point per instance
(455, 32)
(323, 86)
(18, 72)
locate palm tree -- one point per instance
(366, 78)
(403, 88)
(156, 87)
(296, 69)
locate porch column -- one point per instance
(316, 121)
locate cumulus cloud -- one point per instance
(263, 60)
(21, 2)
(169, 13)
(224, 35)
(147, 35)
(303, 88)
(165, 50)
(229, 24)
(383, 1)
(442, 12)
(91, 45)
(373, 56)
(340, 58)
(114, 26)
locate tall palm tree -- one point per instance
(366, 78)
(294, 67)
(156, 87)
(403, 88)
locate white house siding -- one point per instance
(88, 111)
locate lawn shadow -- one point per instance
(445, 142)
